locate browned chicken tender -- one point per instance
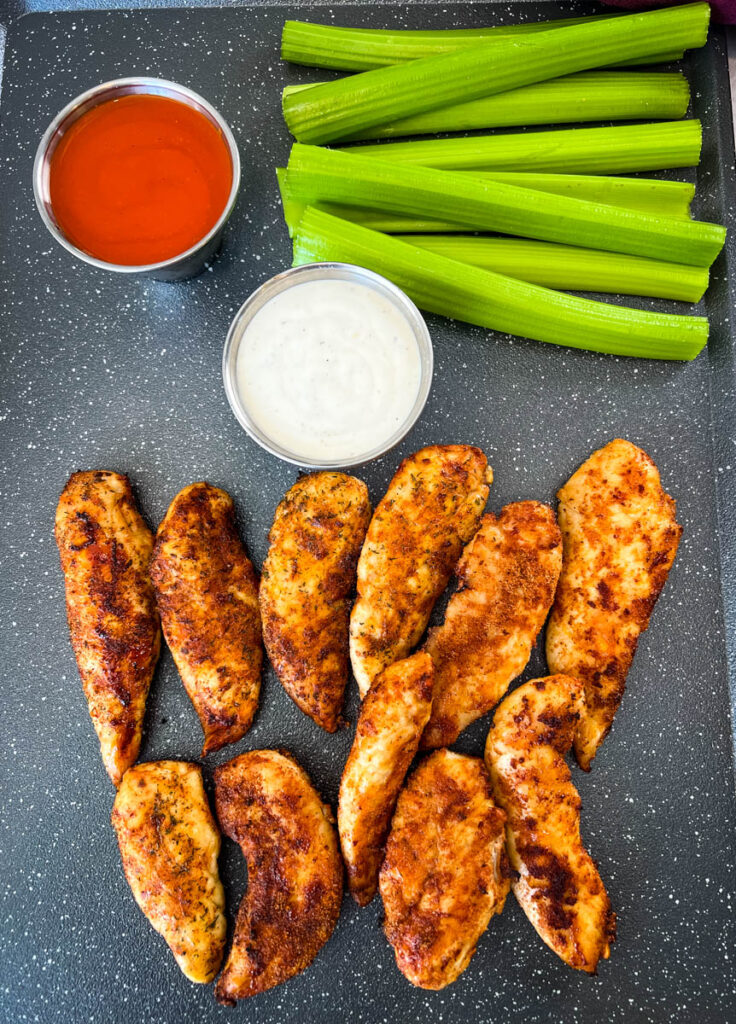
(207, 594)
(306, 583)
(558, 885)
(266, 804)
(432, 508)
(105, 547)
(169, 845)
(392, 717)
(446, 872)
(506, 581)
(620, 537)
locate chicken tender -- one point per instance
(169, 845)
(506, 581)
(207, 594)
(620, 537)
(105, 547)
(266, 804)
(446, 872)
(432, 508)
(306, 583)
(558, 885)
(392, 717)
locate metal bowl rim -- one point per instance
(325, 271)
(187, 96)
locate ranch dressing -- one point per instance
(328, 369)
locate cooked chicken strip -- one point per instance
(558, 886)
(506, 581)
(446, 873)
(105, 547)
(207, 594)
(306, 583)
(169, 845)
(266, 803)
(392, 717)
(620, 537)
(431, 509)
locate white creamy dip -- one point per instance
(328, 369)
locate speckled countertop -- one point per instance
(102, 371)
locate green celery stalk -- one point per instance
(668, 198)
(649, 195)
(623, 148)
(570, 268)
(336, 110)
(316, 175)
(362, 49)
(587, 96)
(441, 285)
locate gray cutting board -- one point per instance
(103, 371)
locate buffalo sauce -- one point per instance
(139, 179)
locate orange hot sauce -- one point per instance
(139, 179)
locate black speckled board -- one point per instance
(103, 371)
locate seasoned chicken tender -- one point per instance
(506, 581)
(432, 508)
(392, 717)
(169, 845)
(306, 583)
(266, 804)
(620, 537)
(105, 547)
(446, 872)
(207, 594)
(558, 885)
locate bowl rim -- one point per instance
(325, 271)
(104, 93)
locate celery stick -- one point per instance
(649, 195)
(361, 49)
(481, 297)
(336, 110)
(570, 268)
(587, 96)
(317, 175)
(631, 147)
(668, 198)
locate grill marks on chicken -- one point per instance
(169, 845)
(620, 537)
(266, 803)
(392, 717)
(446, 872)
(432, 508)
(306, 583)
(105, 547)
(558, 885)
(207, 594)
(506, 580)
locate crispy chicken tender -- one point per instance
(266, 804)
(558, 885)
(392, 717)
(506, 581)
(105, 547)
(169, 845)
(306, 583)
(207, 594)
(431, 509)
(620, 537)
(446, 872)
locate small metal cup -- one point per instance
(185, 264)
(325, 272)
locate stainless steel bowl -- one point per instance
(186, 264)
(323, 272)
